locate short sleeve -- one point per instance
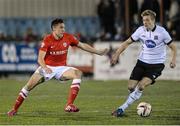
(44, 44)
(166, 37)
(73, 40)
(136, 34)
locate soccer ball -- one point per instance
(144, 109)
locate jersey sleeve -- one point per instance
(73, 40)
(136, 34)
(167, 38)
(44, 45)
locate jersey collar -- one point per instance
(154, 28)
(55, 38)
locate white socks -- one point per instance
(135, 95)
(24, 93)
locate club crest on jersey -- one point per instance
(65, 44)
(150, 43)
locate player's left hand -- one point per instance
(172, 64)
(103, 52)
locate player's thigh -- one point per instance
(34, 80)
(146, 81)
(137, 72)
(153, 71)
(136, 76)
(71, 73)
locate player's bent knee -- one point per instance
(131, 88)
(78, 74)
(29, 87)
(141, 87)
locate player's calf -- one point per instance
(131, 89)
(74, 89)
(22, 95)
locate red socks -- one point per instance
(22, 95)
(73, 93)
(19, 101)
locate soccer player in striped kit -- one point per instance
(52, 60)
(150, 63)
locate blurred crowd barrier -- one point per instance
(16, 57)
(22, 58)
(122, 70)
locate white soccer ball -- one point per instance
(144, 109)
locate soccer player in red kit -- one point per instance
(52, 60)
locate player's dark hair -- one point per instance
(56, 22)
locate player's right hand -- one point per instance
(47, 70)
(172, 64)
(114, 59)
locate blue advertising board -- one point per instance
(18, 57)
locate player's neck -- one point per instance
(152, 27)
(57, 37)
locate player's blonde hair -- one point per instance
(150, 13)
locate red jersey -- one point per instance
(56, 50)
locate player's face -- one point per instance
(148, 22)
(59, 29)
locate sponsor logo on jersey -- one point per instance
(155, 37)
(150, 43)
(58, 52)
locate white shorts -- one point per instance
(56, 72)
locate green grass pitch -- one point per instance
(96, 101)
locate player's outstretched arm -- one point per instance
(91, 49)
(173, 54)
(122, 47)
